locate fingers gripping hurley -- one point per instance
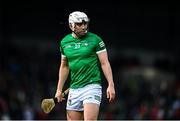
(48, 104)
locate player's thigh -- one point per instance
(74, 115)
(91, 111)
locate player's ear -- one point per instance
(70, 26)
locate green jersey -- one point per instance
(83, 62)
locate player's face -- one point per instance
(81, 28)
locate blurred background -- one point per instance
(142, 42)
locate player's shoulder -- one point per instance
(66, 38)
(90, 34)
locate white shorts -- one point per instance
(89, 94)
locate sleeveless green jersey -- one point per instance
(82, 58)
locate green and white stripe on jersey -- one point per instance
(82, 58)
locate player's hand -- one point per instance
(110, 93)
(59, 96)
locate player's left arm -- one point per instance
(106, 68)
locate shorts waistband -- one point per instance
(87, 86)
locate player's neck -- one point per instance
(77, 36)
(74, 35)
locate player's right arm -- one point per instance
(63, 74)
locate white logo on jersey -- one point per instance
(86, 44)
(68, 46)
(77, 45)
(101, 44)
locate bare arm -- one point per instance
(63, 74)
(106, 67)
